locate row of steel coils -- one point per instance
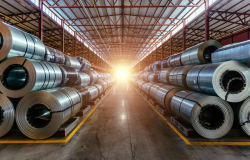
(41, 87)
(207, 86)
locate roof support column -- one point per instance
(152, 57)
(156, 54)
(62, 37)
(207, 20)
(162, 52)
(170, 47)
(83, 50)
(184, 36)
(40, 27)
(75, 44)
(88, 55)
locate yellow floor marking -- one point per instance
(58, 140)
(185, 139)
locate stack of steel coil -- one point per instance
(72, 62)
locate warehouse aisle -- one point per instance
(124, 126)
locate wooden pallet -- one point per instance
(68, 127)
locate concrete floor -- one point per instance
(124, 126)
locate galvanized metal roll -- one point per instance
(210, 116)
(15, 42)
(7, 113)
(93, 92)
(93, 76)
(40, 114)
(237, 51)
(19, 76)
(83, 79)
(69, 76)
(145, 75)
(153, 89)
(151, 77)
(84, 93)
(140, 83)
(146, 87)
(85, 64)
(173, 76)
(164, 75)
(228, 80)
(164, 94)
(175, 60)
(54, 55)
(103, 83)
(72, 62)
(200, 53)
(99, 87)
(165, 63)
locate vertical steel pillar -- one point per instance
(184, 36)
(207, 20)
(75, 44)
(170, 47)
(40, 27)
(62, 37)
(162, 52)
(156, 54)
(152, 57)
(83, 50)
(88, 55)
(96, 59)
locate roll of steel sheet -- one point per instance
(40, 114)
(84, 93)
(103, 83)
(93, 92)
(145, 75)
(72, 62)
(237, 51)
(228, 80)
(173, 76)
(85, 64)
(156, 76)
(164, 94)
(164, 75)
(93, 76)
(15, 42)
(210, 116)
(151, 77)
(165, 63)
(140, 83)
(83, 79)
(21, 76)
(54, 55)
(156, 66)
(7, 114)
(69, 76)
(99, 87)
(200, 53)
(146, 87)
(175, 60)
(153, 89)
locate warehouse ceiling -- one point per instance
(124, 31)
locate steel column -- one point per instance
(170, 41)
(83, 50)
(40, 27)
(156, 54)
(62, 37)
(207, 20)
(89, 56)
(162, 51)
(184, 36)
(75, 44)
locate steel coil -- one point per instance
(173, 76)
(7, 114)
(164, 94)
(165, 63)
(40, 114)
(19, 76)
(153, 89)
(103, 83)
(99, 87)
(146, 87)
(175, 60)
(200, 53)
(93, 92)
(164, 75)
(83, 79)
(69, 76)
(72, 62)
(145, 76)
(210, 116)
(228, 80)
(237, 51)
(85, 64)
(140, 83)
(54, 55)
(93, 76)
(15, 42)
(84, 93)
(151, 77)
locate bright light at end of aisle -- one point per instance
(122, 74)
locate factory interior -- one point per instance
(124, 79)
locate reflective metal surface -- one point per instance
(99, 87)
(84, 64)
(7, 114)
(54, 55)
(164, 75)
(93, 76)
(31, 113)
(93, 92)
(200, 53)
(103, 83)
(69, 76)
(237, 51)
(83, 79)
(210, 116)
(72, 62)
(146, 87)
(153, 89)
(84, 93)
(21, 76)
(175, 60)
(16, 42)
